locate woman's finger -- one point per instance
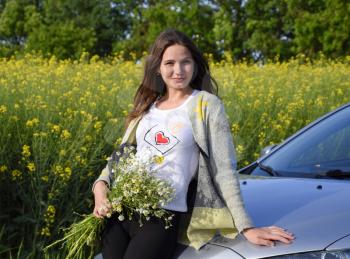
(280, 232)
(108, 204)
(268, 235)
(96, 214)
(265, 242)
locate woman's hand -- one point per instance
(267, 235)
(102, 205)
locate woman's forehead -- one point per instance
(176, 52)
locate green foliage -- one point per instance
(322, 26)
(268, 29)
(63, 28)
(11, 22)
(62, 39)
(148, 20)
(229, 27)
(246, 29)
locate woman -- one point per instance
(177, 116)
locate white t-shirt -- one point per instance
(168, 133)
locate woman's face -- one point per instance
(177, 67)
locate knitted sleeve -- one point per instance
(223, 162)
(105, 175)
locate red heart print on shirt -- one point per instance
(161, 139)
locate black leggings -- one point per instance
(126, 239)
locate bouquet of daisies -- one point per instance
(135, 189)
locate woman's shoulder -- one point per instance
(206, 98)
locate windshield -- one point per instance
(321, 151)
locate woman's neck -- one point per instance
(173, 98)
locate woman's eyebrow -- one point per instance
(187, 57)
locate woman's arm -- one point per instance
(102, 205)
(223, 162)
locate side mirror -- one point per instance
(267, 150)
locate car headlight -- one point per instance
(337, 254)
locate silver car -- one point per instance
(302, 185)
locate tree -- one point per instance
(336, 38)
(63, 39)
(269, 32)
(321, 26)
(14, 20)
(102, 18)
(258, 29)
(229, 27)
(62, 27)
(308, 27)
(149, 18)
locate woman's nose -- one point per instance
(178, 69)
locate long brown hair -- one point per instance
(153, 86)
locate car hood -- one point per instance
(317, 211)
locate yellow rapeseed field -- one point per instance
(59, 120)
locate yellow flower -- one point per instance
(14, 118)
(3, 169)
(49, 218)
(339, 91)
(31, 167)
(66, 135)
(114, 120)
(88, 138)
(158, 159)
(78, 158)
(109, 114)
(49, 215)
(51, 210)
(32, 123)
(64, 173)
(62, 153)
(68, 172)
(16, 174)
(45, 232)
(98, 126)
(56, 129)
(50, 195)
(118, 141)
(240, 149)
(58, 170)
(3, 109)
(45, 178)
(26, 151)
(235, 128)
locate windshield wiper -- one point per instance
(334, 173)
(268, 169)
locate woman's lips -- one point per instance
(178, 79)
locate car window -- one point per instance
(321, 149)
